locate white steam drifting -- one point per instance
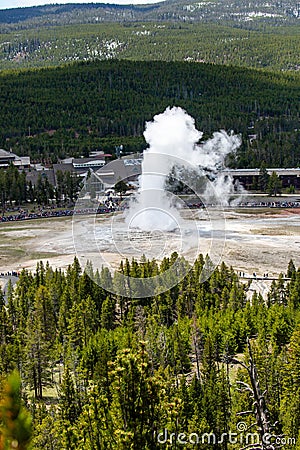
(173, 141)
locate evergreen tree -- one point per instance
(135, 400)
(274, 184)
(40, 340)
(290, 404)
(15, 421)
(263, 178)
(108, 313)
(291, 269)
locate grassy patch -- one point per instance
(42, 255)
(255, 211)
(274, 231)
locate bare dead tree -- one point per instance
(197, 347)
(268, 440)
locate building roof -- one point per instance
(4, 154)
(69, 168)
(256, 172)
(63, 167)
(35, 174)
(88, 162)
(6, 158)
(22, 161)
(119, 169)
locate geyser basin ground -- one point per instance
(256, 241)
(128, 241)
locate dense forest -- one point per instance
(72, 110)
(267, 47)
(99, 371)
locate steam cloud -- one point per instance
(173, 141)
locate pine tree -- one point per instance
(274, 184)
(291, 270)
(40, 341)
(69, 410)
(263, 178)
(290, 403)
(3, 319)
(108, 313)
(15, 421)
(82, 323)
(135, 407)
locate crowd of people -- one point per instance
(12, 273)
(24, 215)
(271, 204)
(18, 214)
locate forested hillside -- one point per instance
(50, 113)
(242, 13)
(265, 47)
(104, 372)
(243, 33)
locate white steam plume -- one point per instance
(173, 140)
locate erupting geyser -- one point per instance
(173, 141)
(173, 147)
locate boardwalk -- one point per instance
(259, 284)
(266, 277)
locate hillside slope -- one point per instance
(240, 12)
(276, 49)
(248, 34)
(81, 107)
